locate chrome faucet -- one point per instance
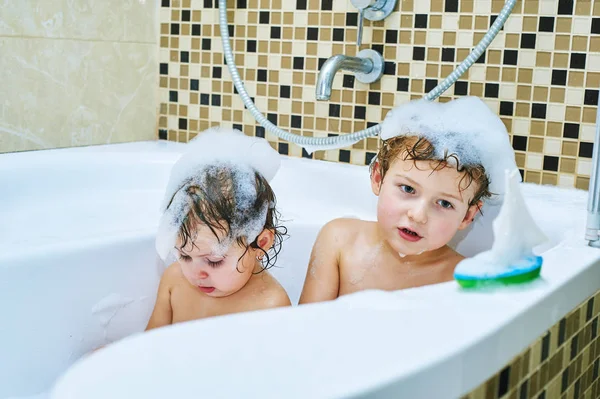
(592, 230)
(367, 66)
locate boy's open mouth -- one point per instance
(409, 235)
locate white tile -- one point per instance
(542, 76)
(435, 38)
(417, 70)
(581, 25)
(548, 7)
(556, 112)
(404, 53)
(534, 161)
(574, 96)
(545, 42)
(401, 98)
(514, 24)
(584, 167)
(587, 132)
(552, 146)
(464, 39)
(508, 91)
(566, 180)
(480, 7)
(299, 48)
(477, 73)
(450, 22)
(527, 58)
(308, 93)
(499, 42)
(263, 32)
(422, 7)
(521, 127)
(373, 113)
(393, 21)
(593, 62)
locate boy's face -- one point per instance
(216, 268)
(418, 209)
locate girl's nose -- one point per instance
(202, 275)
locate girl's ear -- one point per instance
(376, 178)
(470, 216)
(265, 239)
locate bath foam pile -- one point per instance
(213, 149)
(465, 127)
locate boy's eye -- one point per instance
(445, 204)
(407, 189)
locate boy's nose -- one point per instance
(418, 213)
(202, 275)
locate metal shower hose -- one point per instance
(346, 140)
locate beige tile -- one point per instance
(76, 93)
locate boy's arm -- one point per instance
(162, 315)
(323, 275)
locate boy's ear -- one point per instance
(376, 178)
(265, 239)
(470, 216)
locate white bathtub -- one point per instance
(78, 269)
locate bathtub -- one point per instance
(78, 270)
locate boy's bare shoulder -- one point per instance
(344, 229)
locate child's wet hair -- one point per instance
(215, 204)
(420, 149)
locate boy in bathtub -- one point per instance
(436, 166)
(221, 226)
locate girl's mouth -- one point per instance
(206, 290)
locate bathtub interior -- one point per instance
(87, 274)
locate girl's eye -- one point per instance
(214, 263)
(185, 258)
(445, 204)
(407, 189)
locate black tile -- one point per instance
(493, 19)
(306, 154)
(208, 3)
(419, 53)
(461, 88)
(571, 130)
(430, 84)
(272, 118)
(242, 4)
(206, 44)
(276, 32)
(312, 34)
(595, 26)
(524, 390)
(371, 124)
(261, 75)
(297, 121)
(491, 90)
(327, 5)
(589, 310)
(374, 98)
(481, 59)
(230, 30)
(284, 91)
(185, 15)
(421, 21)
(522, 173)
(332, 135)
(348, 81)
(321, 62)
(173, 96)
(451, 6)
(263, 17)
(591, 97)
(174, 29)
(195, 29)
(507, 108)
(402, 84)
(586, 149)
(577, 61)
(204, 99)
(217, 72)
(550, 163)
(182, 123)
(369, 157)
(352, 19)
(546, 24)
(338, 35)
(564, 381)
(164, 68)
(184, 56)
(574, 346)
(239, 127)
(194, 84)
(215, 100)
(251, 46)
(300, 4)
(360, 112)
(545, 347)
(448, 54)
(520, 143)
(344, 156)
(283, 148)
(389, 68)
(166, 3)
(528, 40)
(162, 134)
(377, 47)
(538, 111)
(565, 7)
(334, 110)
(391, 36)
(259, 132)
(559, 77)
(298, 62)
(503, 381)
(562, 331)
(510, 57)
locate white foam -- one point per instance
(465, 127)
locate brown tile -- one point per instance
(432, 70)
(522, 109)
(592, 80)
(563, 24)
(531, 7)
(492, 73)
(540, 94)
(530, 24)
(523, 93)
(589, 115)
(512, 40)
(573, 114)
(579, 43)
(562, 42)
(435, 22)
(482, 22)
(569, 148)
(509, 74)
(420, 37)
(520, 159)
(543, 59)
(537, 128)
(567, 165)
(525, 75)
(465, 21)
(532, 177)
(554, 129)
(405, 37)
(595, 44)
(476, 89)
(437, 6)
(557, 95)
(535, 144)
(433, 54)
(494, 57)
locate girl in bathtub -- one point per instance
(220, 230)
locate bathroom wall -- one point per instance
(77, 72)
(541, 74)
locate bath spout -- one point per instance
(592, 230)
(367, 66)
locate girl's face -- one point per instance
(219, 269)
(420, 209)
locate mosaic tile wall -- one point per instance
(541, 74)
(562, 364)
